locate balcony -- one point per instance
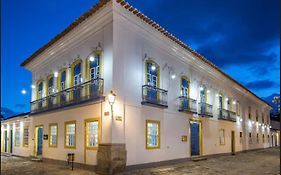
(187, 105)
(155, 97)
(227, 115)
(90, 91)
(205, 109)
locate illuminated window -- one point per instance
(17, 136)
(92, 133)
(152, 134)
(70, 134)
(25, 136)
(53, 132)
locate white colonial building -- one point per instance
(171, 102)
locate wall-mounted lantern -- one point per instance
(111, 99)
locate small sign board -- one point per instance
(106, 113)
(45, 136)
(118, 118)
(184, 138)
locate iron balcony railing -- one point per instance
(89, 91)
(187, 104)
(227, 115)
(154, 96)
(205, 109)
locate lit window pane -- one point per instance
(70, 134)
(53, 135)
(92, 133)
(152, 134)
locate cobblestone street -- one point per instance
(260, 162)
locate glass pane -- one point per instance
(152, 134)
(92, 135)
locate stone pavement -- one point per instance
(260, 162)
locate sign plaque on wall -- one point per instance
(45, 136)
(184, 138)
(118, 118)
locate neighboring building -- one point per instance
(171, 102)
(275, 130)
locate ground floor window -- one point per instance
(70, 134)
(257, 138)
(17, 136)
(25, 136)
(250, 137)
(263, 138)
(53, 132)
(92, 133)
(152, 134)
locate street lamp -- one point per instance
(111, 100)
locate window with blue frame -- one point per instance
(50, 85)
(220, 104)
(152, 80)
(94, 66)
(185, 92)
(77, 80)
(63, 80)
(40, 90)
(203, 99)
(77, 74)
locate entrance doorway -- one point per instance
(195, 138)
(232, 142)
(38, 140)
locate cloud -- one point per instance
(261, 84)
(226, 33)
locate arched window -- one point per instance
(61, 83)
(77, 74)
(76, 78)
(39, 94)
(185, 83)
(152, 79)
(203, 94)
(152, 73)
(50, 85)
(93, 65)
(39, 89)
(221, 103)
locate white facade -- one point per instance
(127, 42)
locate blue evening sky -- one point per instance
(241, 37)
